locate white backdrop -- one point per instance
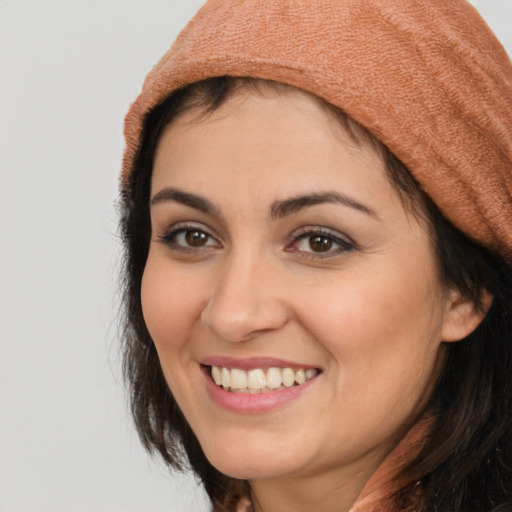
(68, 71)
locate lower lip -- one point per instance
(248, 403)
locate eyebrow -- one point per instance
(192, 200)
(278, 210)
(293, 205)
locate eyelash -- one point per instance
(169, 237)
(309, 233)
(303, 234)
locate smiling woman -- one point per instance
(303, 324)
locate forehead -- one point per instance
(286, 136)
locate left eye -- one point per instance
(321, 243)
(194, 237)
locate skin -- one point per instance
(369, 312)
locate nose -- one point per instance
(246, 300)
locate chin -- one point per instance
(253, 460)
(253, 469)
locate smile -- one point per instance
(259, 380)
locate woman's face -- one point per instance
(281, 257)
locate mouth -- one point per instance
(259, 380)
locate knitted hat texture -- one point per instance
(428, 78)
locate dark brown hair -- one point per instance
(466, 463)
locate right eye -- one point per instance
(188, 238)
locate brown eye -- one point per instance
(320, 243)
(195, 238)
(189, 238)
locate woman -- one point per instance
(317, 205)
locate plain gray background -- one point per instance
(68, 71)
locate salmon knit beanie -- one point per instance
(428, 78)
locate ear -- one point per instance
(463, 316)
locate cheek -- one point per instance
(383, 335)
(170, 304)
(377, 311)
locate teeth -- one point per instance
(288, 377)
(300, 376)
(274, 379)
(310, 374)
(257, 381)
(226, 378)
(238, 378)
(216, 375)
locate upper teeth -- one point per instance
(257, 380)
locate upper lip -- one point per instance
(250, 363)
